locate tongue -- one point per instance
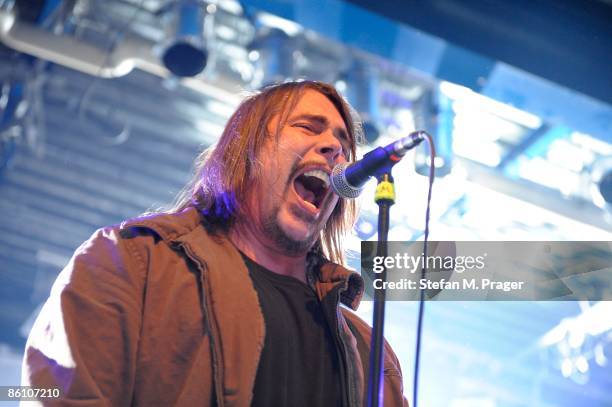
(304, 193)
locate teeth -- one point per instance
(322, 175)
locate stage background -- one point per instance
(517, 96)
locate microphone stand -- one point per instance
(384, 198)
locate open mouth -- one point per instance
(312, 187)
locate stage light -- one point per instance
(185, 54)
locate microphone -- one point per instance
(347, 179)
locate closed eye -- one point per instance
(315, 130)
(305, 126)
(316, 124)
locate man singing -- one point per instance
(232, 298)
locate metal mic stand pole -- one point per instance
(384, 198)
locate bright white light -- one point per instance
(8, 20)
(220, 109)
(508, 209)
(233, 51)
(567, 367)
(592, 143)
(51, 258)
(593, 321)
(546, 173)
(473, 402)
(557, 334)
(564, 348)
(582, 365)
(341, 86)
(226, 33)
(253, 56)
(510, 113)
(352, 242)
(454, 91)
(245, 69)
(213, 91)
(123, 68)
(475, 124)
(400, 233)
(567, 155)
(231, 6)
(600, 356)
(289, 27)
(597, 319)
(211, 8)
(598, 198)
(405, 120)
(576, 336)
(438, 161)
(485, 153)
(366, 227)
(208, 128)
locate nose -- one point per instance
(331, 148)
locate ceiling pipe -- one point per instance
(131, 52)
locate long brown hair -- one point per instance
(223, 172)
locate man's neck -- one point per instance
(264, 253)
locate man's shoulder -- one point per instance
(166, 235)
(168, 226)
(139, 246)
(140, 237)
